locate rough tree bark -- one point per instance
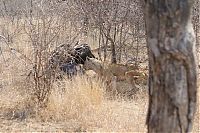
(172, 66)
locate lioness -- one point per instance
(119, 72)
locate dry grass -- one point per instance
(70, 99)
(78, 105)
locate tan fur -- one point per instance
(101, 69)
(119, 70)
(137, 76)
(108, 72)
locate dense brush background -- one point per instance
(31, 30)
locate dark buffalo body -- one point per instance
(82, 52)
(67, 58)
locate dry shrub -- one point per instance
(15, 94)
(15, 104)
(79, 105)
(71, 99)
(82, 102)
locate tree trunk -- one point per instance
(120, 42)
(172, 66)
(112, 41)
(106, 44)
(99, 51)
(114, 56)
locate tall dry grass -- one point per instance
(80, 105)
(71, 99)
